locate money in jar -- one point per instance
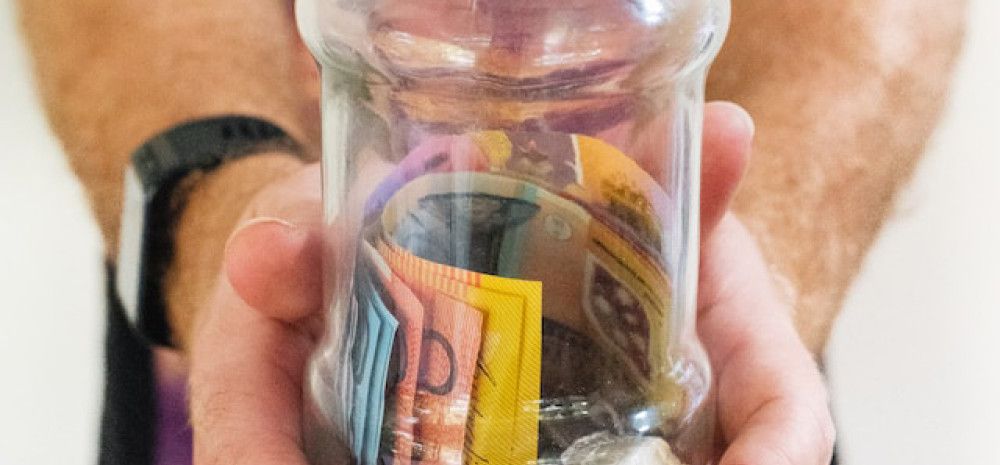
(511, 199)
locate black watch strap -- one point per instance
(146, 242)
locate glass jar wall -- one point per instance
(511, 202)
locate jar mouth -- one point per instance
(518, 43)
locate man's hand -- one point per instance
(772, 402)
(773, 408)
(249, 348)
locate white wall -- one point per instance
(50, 309)
(912, 360)
(914, 357)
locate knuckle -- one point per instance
(823, 418)
(822, 432)
(827, 432)
(771, 454)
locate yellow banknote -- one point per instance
(616, 188)
(626, 298)
(610, 183)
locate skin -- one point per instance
(845, 95)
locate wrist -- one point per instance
(213, 204)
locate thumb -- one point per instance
(274, 260)
(726, 142)
(276, 267)
(246, 386)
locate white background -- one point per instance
(913, 361)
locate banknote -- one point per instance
(472, 221)
(626, 298)
(547, 246)
(621, 193)
(597, 175)
(374, 335)
(363, 351)
(438, 153)
(409, 311)
(448, 354)
(468, 230)
(504, 425)
(388, 326)
(544, 158)
(577, 256)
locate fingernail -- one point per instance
(745, 119)
(265, 219)
(254, 222)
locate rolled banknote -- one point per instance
(540, 236)
(438, 153)
(449, 350)
(598, 176)
(597, 282)
(435, 364)
(471, 231)
(504, 424)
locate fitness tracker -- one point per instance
(150, 205)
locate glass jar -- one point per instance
(511, 193)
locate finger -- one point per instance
(774, 407)
(726, 147)
(246, 386)
(733, 270)
(772, 401)
(274, 260)
(782, 433)
(297, 199)
(276, 267)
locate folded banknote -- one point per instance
(504, 419)
(597, 175)
(374, 337)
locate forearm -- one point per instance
(846, 95)
(113, 73)
(215, 206)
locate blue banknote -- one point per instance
(374, 336)
(362, 360)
